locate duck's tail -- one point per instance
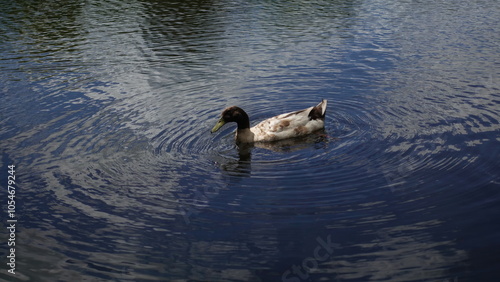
(318, 112)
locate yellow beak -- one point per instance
(218, 125)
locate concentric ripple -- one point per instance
(332, 153)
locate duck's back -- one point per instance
(289, 125)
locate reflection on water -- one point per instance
(106, 112)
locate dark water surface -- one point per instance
(106, 108)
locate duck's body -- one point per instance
(289, 125)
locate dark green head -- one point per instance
(233, 114)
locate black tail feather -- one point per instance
(318, 112)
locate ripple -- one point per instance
(426, 142)
(329, 154)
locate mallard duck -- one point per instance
(280, 127)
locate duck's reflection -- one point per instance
(243, 165)
(317, 139)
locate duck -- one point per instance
(280, 127)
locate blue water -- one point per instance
(106, 113)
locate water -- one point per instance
(106, 111)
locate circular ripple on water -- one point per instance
(306, 168)
(189, 135)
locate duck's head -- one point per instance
(233, 114)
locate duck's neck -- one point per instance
(244, 136)
(243, 121)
